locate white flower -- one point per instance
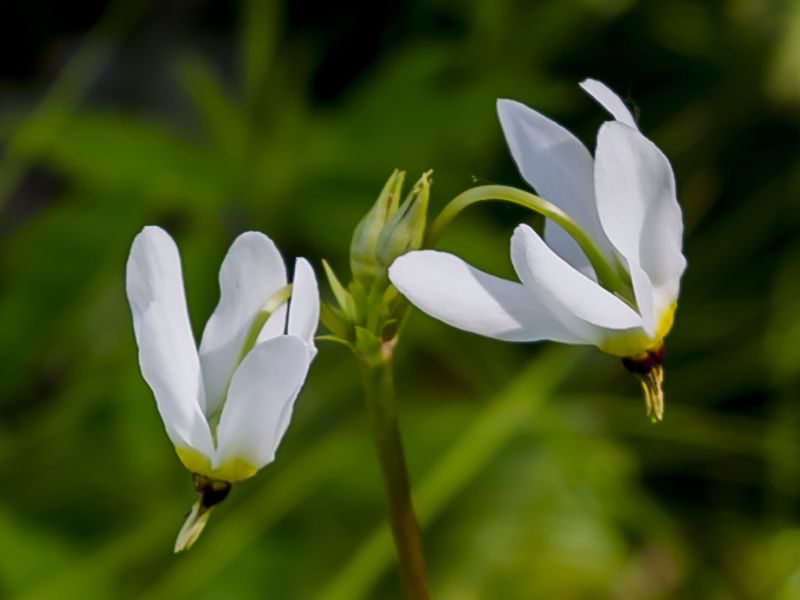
(226, 407)
(624, 199)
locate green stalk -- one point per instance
(503, 417)
(378, 381)
(607, 276)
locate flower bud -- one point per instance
(363, 248)
(368, 310)
(405, 230)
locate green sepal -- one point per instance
(377, 310)
(333, 338)
(342, 296)
(335, 320)
(390, 294)
(359, 293)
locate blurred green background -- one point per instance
(537, 473)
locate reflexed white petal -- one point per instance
(448, 289)
(559, 167)
(639, 209)
(175, 381)
(609, 100)
(645, 297)
(153, 274)
(580, 303)
(304, 307)
(167, 352)
(260, 401)
(251, 273)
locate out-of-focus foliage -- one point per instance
(537, 472)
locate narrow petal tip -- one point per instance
(501, 103)
(609, 100)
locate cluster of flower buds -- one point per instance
(369, 310)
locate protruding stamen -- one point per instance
(210, 493)
(193, 527)
(652, 384)
(647, 369)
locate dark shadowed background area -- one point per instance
(537, 472)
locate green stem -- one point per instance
(378, 383)
(502, 418)
(607, 276)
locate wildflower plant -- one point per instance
(606, 272)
